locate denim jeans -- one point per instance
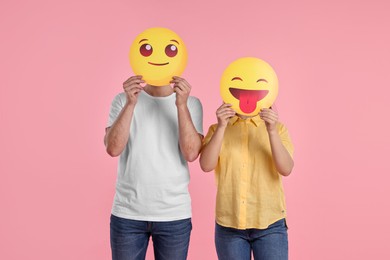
(266, 244)
(130, 238)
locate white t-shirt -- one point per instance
(153, 176)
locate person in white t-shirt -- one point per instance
(155, 131)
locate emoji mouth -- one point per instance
(248, 98)
(158, 64)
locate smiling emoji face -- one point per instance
(249, 84)
(158, 54)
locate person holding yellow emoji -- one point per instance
(250, 150)
(155, 129)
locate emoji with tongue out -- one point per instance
(249, 84)
(158, 54)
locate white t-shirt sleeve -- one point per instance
(116, 107)
(196, 112)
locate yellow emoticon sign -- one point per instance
(158, 54)
(249, 84)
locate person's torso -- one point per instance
(250, 191)
(153, 175)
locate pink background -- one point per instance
(62, 62)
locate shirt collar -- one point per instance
(256, 120)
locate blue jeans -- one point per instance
(267, 244)
(130, 238)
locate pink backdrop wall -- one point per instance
(62, 62)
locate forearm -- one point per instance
(117, 135)
(210, 153)
(282, 159)
(190, 141)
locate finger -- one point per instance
(220, 107)
(225, 105)
(135, 82)
(185, 83)
(178, 91)
(132, 78)
(182, 81)
(269, 113)
(230, 110)
(183, 86)
(269, 119)
(230, 115)
(126, 88)
(181, 90)
(226, 117)
(225, 110)
(177, 86)
(177, 78)
(275, 117)
(133, 93)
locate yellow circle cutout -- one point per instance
(158, 54)
(249, 84)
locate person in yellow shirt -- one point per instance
(249, 155)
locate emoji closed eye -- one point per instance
(262, 80)
(236, 78)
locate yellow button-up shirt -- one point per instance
(250, 191)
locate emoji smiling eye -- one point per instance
(262, 80)
(171, 50)
(146, 50)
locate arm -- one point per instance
(117, 135)
(190, 141)
(283, 160)
(210, 153)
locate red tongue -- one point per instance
(248, 98)
(248, 101)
